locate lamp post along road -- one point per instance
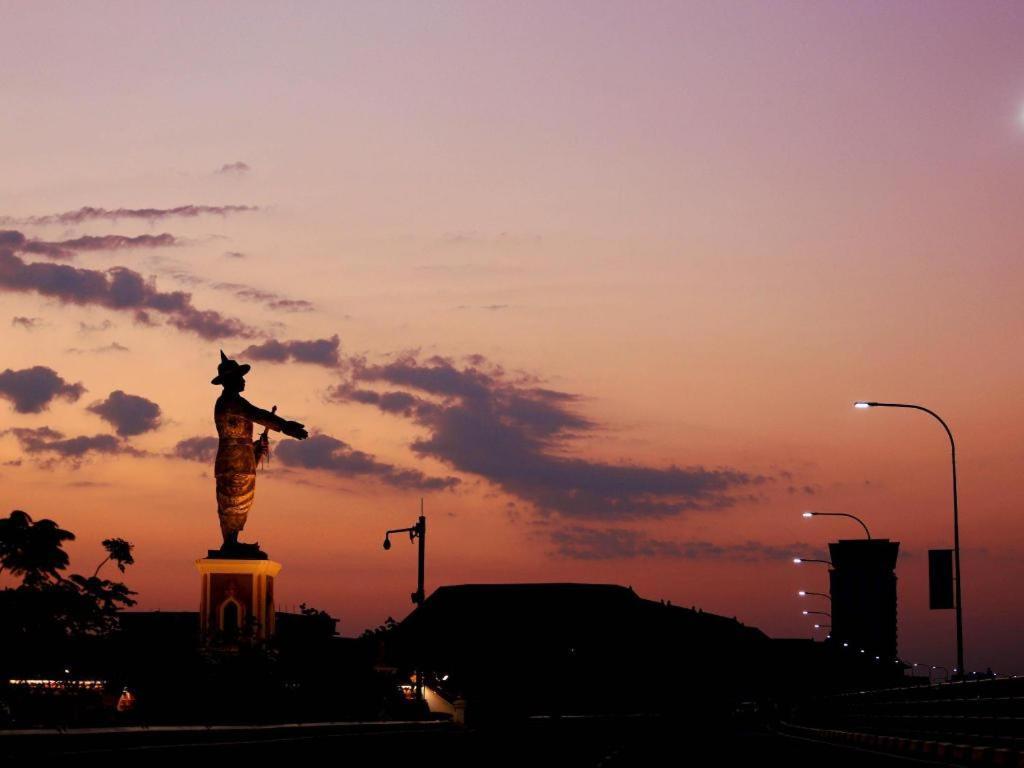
(418, 531)
(956, 520)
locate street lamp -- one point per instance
(823, 626)
(956, 517)
(417, 531)
(817, 613)
(810, 514)
(802, 560)
(805, 593)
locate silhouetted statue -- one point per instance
(237, 453)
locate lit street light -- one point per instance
(810, 514)
(956, 517)
(817, 613)
(802, 560)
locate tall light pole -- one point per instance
(810, 514)
(418, 531)
(956, 519)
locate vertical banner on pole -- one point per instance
(940, 579)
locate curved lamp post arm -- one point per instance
(840, 514)
(805, 593)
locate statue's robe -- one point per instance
(235, 468)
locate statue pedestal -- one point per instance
(236, 603)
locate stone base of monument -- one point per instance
(236, 603)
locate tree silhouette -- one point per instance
(33, 550)
(46, 605)
(118, 550)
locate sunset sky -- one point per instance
(598, 281)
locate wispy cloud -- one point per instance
(102, 350)
(584, 543)
(236, 168)
(49, 442)
(28, 323)
(120, 289)
(327, 453)
(66, 249)
(89, 213)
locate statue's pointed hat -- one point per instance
(229, 369)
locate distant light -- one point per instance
(806, 613)
(797, 560)
(846, 645)
(808, 514)
(862, 650)
(444, 678)
(861, 405)
(802, 593)
(817, 626)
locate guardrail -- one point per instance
(982, 712)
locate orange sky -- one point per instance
(713, 225)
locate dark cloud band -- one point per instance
(517, 435)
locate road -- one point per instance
(567, 743)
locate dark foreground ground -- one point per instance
(609, 743)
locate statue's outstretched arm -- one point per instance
(273, 421)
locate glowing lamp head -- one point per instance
(806, 613)
(808, 514)
(802, 593)
(797, 560)
(817, 626)
(862, 404)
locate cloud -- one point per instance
(128, 414)
(65, 249)
(517, 435)
(314, 351)
(582, 543)
(234, 169)
(488, 307)
(95, 327)
(31, 390)
(28, 323)
(234, 255)
(269, 298)
(202, 449)
(111, 347)
(43, 440)
(118, 288)
(339, 458)
(89, 213)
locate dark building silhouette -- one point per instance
(863, 587)
(576, 648)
